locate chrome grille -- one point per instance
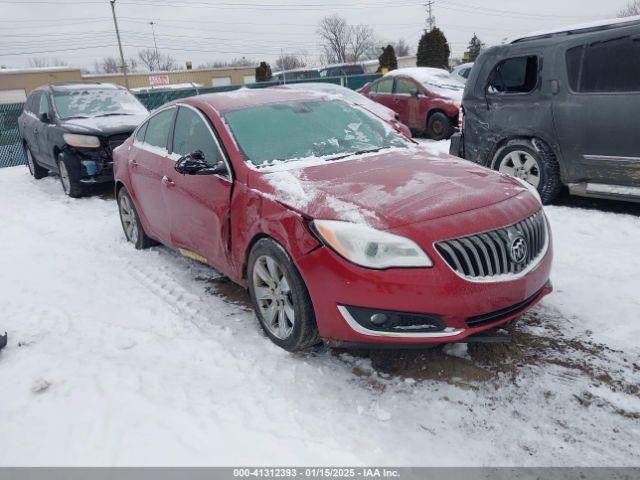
(496, 252)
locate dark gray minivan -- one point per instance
(559, 108)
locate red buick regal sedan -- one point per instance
(342, 229)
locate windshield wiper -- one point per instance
(357, 152)
(113, 114)
(75, 116)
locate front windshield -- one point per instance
(96, 103)
(308, 129)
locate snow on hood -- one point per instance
(387, 190)
(437, 80)
(108, 125)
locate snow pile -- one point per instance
(125, 357)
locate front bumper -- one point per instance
(94, 166)
(466, 307)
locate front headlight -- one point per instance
(370, 248)
(81, 141)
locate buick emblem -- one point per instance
(518, 248)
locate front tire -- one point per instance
(130, 221)
(69, 177)
(35, 170)
(439, 126)
(532, 161)
(280, 297)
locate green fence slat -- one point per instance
(12, 153)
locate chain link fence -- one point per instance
(12, 153)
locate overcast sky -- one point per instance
(80, 32)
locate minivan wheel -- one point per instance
(280, 297)
(131, 222)
(532, 161)
(439, 126)
(35, 170)
(69, 177)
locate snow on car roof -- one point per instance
(578, 28)
(251, 97)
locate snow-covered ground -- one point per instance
(122, 357)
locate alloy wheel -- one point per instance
(273, 296)
(523, 165)
(129, 220)
(64, 178)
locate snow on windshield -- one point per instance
(93, 103)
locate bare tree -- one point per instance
(156, 61)
(632, 9)
(401, 48)
(335, 36)
(39, 62)
(236, 62)
(361, 41)
(108, 65)
(289, 62)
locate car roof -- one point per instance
(568, 32)
(251, 97)
(73, 86)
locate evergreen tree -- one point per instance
(263, 72)
(388, 59)
(475, 46)
(433, 50)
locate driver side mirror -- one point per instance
(194, 164)
(44, 117)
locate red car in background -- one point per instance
(356, 98)
(427, 99)
(342, 229)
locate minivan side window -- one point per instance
(612, 66)
(158, 128)
(574, 62)
(514, 75)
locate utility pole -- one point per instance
(155, 44)
(284, 70)
(431, 20)
(124, 64)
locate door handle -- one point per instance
(168, 182)
(133, 163)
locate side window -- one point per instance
(141, 131)
(33, 103)
(514, 75)
(406, 86)
(384, 86)
(574, 62)
(612, 66)
(192, 133)
(158, 126)
(465, 72)
(44, 105)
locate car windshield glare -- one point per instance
(95, 103)
(297, 130)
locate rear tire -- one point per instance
(280, 297)
(131, 223)
(545, 172)
(70, 177)
(35, 170)
(439, 126)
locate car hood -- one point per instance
(104, 126)
(386, 190)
